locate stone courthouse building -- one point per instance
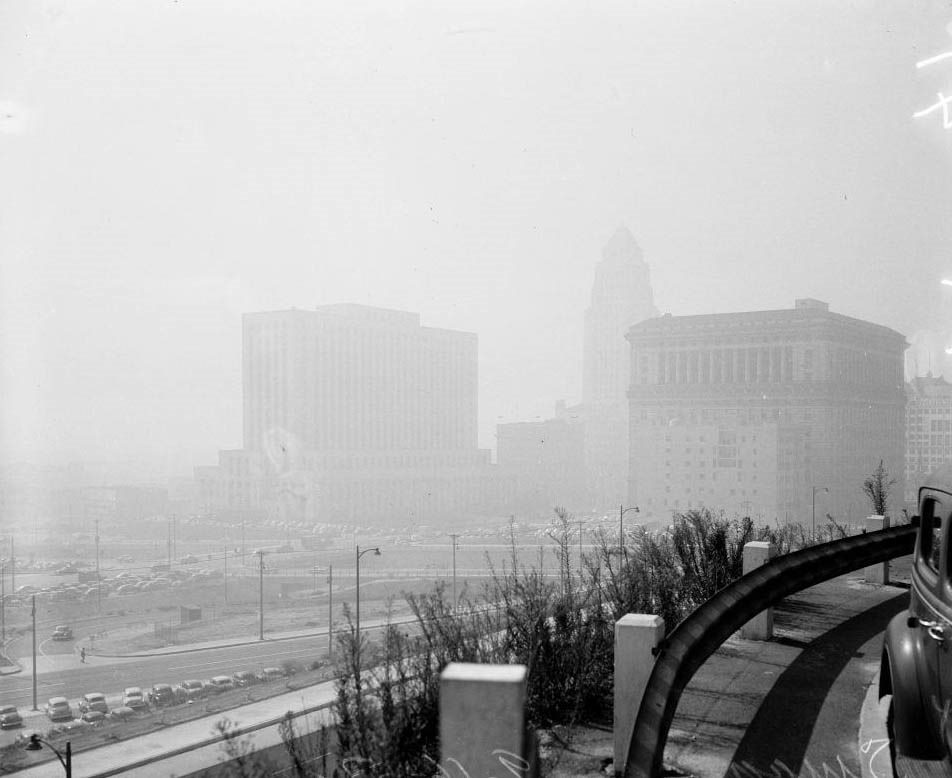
(759, 412)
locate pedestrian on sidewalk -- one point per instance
(82, 655)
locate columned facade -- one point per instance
(749, 412)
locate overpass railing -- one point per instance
(701, 633)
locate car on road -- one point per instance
(93, 717)
(10, 717)
(133, 698)
(93, 701)
(916, 663)
(57, 709)
(221, 683)
(194, 689)
(62, 632)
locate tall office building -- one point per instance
(928, 431)
(355, 413)
(621, 296)
(758, 412)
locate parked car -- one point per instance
(24, 736)
(10, 717)
(179, 694)
(93, 717)
(93, 701)
(194, 689)
(244, 678)
(916, 664)
(62, 632)
(57, 708)
(221, 683)
(161, 694)
(122, 713)
(133, 698)
(270, 674)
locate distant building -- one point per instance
(748, 412)
(545, 462)
(928, 431)
(354, 414)
(621, 296)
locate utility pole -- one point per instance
(330, 611)
(455, 601)
(260, 594)
(98, 579)
(34, 651)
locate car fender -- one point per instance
(902, 672)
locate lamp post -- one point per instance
(360, 553)
(98, 577)
(815, 490)
(453, 537)
(66, 759)
(622, 510)
(260, 553)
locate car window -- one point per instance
(930, 534)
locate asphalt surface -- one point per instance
(790, 706)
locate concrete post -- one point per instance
(483, 722)
(877, 573)
(636, 636)
(756, 554)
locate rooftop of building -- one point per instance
(355, 313)
(928, 386)
(805, 310)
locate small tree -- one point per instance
(876, 487)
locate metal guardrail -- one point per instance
(705, 629)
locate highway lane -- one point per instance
(60, 672)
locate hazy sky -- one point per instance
(165, 166)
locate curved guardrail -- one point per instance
(704, 630)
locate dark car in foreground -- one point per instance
(916, 664)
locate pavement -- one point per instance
(803, 703)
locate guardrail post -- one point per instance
(636, 637)
(877, 573)
(483, 722)
(756, 554)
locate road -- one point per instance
(60, 673)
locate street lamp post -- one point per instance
(66, 759)
(260, 553)
(98, 577)
(360, 553)
(815, 490)
(454, 536)
(622, 510)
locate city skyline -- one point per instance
(468, 164)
